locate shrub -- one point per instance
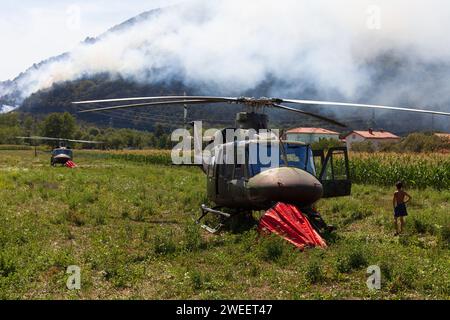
(74, 218)
(7, 265)
(352, 258)
(404, 278)
(193, 238)
(163, 244)
(196, 279)
(422, 142)
(314, 273)
(444, 236)
(272, 248)
(387, 269)
(420, 226)
(325, 144)
(365, 146)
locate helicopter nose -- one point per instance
(290, 185)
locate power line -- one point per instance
(142, 119)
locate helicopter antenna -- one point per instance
(60, 140)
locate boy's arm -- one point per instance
(394, 201)
(409, 197)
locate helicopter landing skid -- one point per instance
(205, 211)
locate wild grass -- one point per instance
(129, 226)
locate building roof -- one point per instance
(312, 131)
(443, 135)
(375, 134)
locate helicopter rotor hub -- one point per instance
(257, 104)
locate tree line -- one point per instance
(64, 125)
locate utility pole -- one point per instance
(185, 113)
(432, 123)
(373, 119)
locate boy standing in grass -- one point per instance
(401, 198)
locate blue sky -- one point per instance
(33, 30)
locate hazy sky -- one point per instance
(34, 30)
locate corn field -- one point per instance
(385, 169)
(415, 170)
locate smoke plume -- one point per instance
(377, 51)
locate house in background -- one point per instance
(310, 135)
(375, 137)
(443, 136)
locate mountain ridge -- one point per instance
(10, 93)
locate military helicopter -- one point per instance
(254, 185)
(62, 154)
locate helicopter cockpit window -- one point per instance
(298, 156)
(301, 157)
(261, 158)
(62, 151)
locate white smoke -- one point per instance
(232, 46)
(5, 108)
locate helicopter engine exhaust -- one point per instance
(288, 222)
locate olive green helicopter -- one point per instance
(301, 176)
(61, 153)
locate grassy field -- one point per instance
(128, 225)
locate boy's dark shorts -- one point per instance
(400, 211)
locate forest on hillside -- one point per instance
(65, 125)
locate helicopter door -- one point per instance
(240, 174)
(334, 172)
(224, 175)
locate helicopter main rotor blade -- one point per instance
(41, 138)
(261, 102)
(368, 106)
(84, 141)
(150, 104)
(170, 98)
(279, 106)
(59, 139)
